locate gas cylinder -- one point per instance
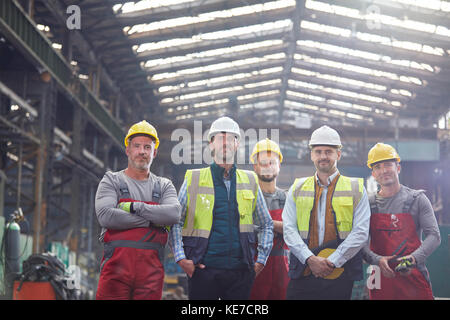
(12, 246)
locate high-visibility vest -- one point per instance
(200, 201)
(347, 194)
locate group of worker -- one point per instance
(238, 236)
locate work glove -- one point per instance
(405, 265)
(127, 206)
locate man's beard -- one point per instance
(266, 178)
(141, 165)
(327, 169)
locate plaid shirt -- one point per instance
(261, 218)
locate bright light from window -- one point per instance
(212, 53)
(368, 37)
(210, 16)
(357, 69)
(219, 66)
(363, 54)
(381, 18)
(249, 32)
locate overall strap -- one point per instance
(282, 199)
(124, 192)
(156, 193)
(373, 204)
(412, 196)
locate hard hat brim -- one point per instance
(338, 146)
(141, 133)
(253, 156)
(212, 134)
(396, 159)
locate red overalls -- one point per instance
(272, 282)
(131, 267)
(395, 234)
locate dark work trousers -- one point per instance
(312, 288)
(212, 284)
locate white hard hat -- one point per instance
(325, 136)
(224, 124)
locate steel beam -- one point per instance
(21, 31)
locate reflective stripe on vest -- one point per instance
(347, 194)
(200, 201)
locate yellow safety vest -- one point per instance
(347, 194)
(200, 201)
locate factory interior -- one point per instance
(75, 75)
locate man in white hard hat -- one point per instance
(272, 282)
(214, 243)
(325, 224)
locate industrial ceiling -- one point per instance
(287, 63)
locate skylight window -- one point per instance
(345, 93)
(248, 32)
(364, 54)
(210, 16)
(217, 67)
(258, 95)
(368, 37)
(148, 4)
(358, 69)
(381, 18)
(429, 4)
(212, 53)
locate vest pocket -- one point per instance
(344, 214)
(246, 203)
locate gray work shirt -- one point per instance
(109, 216)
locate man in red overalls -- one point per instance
(132, 207)
(271, 283)
(399, 216)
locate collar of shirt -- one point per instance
(219, 171)
(330, 178)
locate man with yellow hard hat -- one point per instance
(399, 217)
(325, 225)
(272, 282)
(133, 206)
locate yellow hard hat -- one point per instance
(325, 253)
(266, 145)
(381, 152)
(142, 127)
